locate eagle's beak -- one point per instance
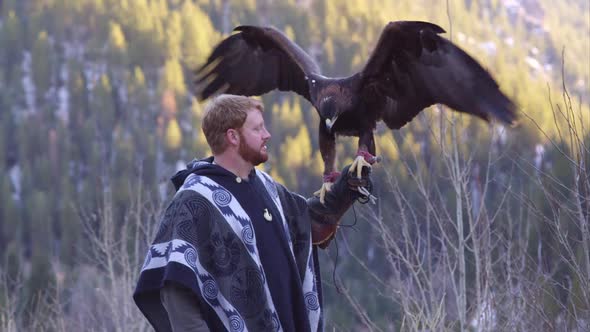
(330, 123)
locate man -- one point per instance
(234, 249)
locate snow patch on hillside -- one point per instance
(63, 96)
(28, 85)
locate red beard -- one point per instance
(253, 156)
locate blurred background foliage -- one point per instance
(95, 98)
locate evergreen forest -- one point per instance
(477, 227)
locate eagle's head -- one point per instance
(330, 97)
(329, 110)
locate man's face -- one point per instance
(253, 138)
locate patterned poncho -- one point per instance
(207, 242)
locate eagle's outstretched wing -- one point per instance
(413, 68)
(254, 61)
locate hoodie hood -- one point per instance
(196, 165)
(204, 167)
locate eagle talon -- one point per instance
(329, 180)
(326, 187)
(358, 164)
(363, 159)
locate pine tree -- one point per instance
(40, 217)
(40, 287)
(173, 78)
(197, 144)
(173, 138)
(117, 44)
(146, 34)
(174, 36)
(7, 212)
(11, 44)
(69, 223)
(198, 35)
(140, 111)
(103, 109)
(296, 156)
(42, 65)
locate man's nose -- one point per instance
(266, 134)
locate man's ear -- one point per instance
(232, 137)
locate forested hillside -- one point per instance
(477, 226)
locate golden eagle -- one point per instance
(411, 68)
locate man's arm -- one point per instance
(183, 308)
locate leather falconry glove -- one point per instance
(347, 189)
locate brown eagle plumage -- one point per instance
(411, 68)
